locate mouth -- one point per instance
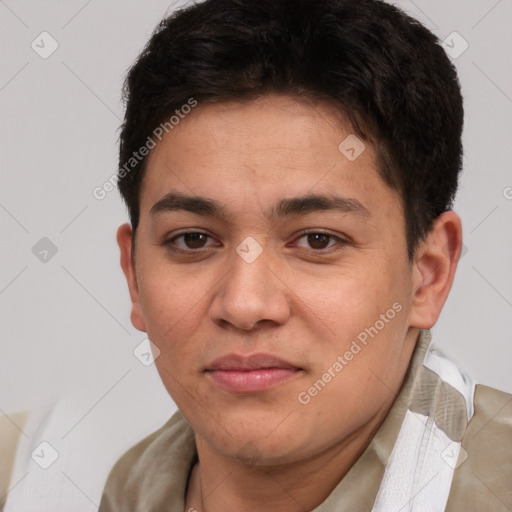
(251, 374)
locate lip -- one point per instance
(250, 374)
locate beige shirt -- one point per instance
(152, 476)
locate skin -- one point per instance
(304, 299)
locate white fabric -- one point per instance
(436, 361)
(419, 472)
(66, 485)
(417, 478)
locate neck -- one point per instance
(218, 483)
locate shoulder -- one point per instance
(137, 473)
(482, 480)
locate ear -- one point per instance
(124, 240)
(434, 265)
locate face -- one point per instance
(272, 274)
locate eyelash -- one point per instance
(340, 241)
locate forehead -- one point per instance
(261, 151)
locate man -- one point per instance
(289, 168)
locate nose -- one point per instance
(251, 293)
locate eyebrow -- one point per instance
(287, 207)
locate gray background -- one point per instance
(65, 326)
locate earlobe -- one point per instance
(434, 266)
(124, 240)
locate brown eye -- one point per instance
(189, 241)
(194, 240)
(318, 240)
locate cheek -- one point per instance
(349, 299)
(360, 314)
(172, 309)
(169, 295)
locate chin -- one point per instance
(255, 445)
